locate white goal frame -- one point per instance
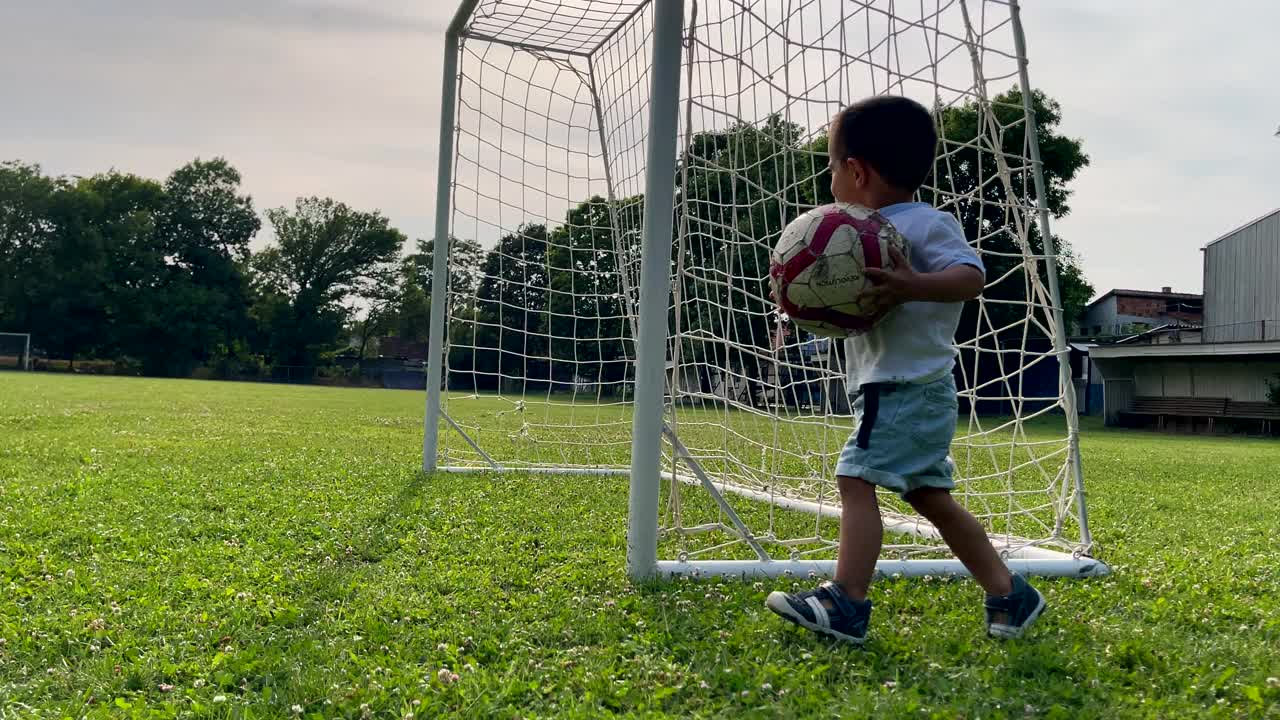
(25, 360)
(649, 427)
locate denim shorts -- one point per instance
(902, 440)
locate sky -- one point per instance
(1176, 104)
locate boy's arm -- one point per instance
(957, 283)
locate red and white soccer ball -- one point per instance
(817, 268)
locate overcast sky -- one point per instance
(1176, 101)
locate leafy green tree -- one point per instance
(412, 318)
(980, 200)
(587, 314)
(99, 267)
(26, 231)
(116, 265)
(739, 186)
(376, 297)
(197, 310)
(412, 313)
(507, 327)
(324, 250)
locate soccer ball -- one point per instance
(816, 268)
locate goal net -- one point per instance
(15, 351)
(613, 176)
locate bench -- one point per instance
(1189, 407)
(1264, 411)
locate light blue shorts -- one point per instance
(902, 440)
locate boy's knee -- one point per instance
(852, 488)
(930, 501)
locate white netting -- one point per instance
(553, 100)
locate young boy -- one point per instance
(882, 149)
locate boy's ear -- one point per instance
(857, 170)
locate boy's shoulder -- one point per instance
(915, 212)
(936, 237)
(921, 222)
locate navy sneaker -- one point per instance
(1008, 617)
(825, 610)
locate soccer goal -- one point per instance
(15, 351)
(612, 176)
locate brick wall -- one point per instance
(1154, 308)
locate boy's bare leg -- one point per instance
(860, 536)
(965, 536)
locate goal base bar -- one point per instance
(1018, 554)
(1040, 567)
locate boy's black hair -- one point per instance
(894, 135)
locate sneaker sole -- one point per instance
(1013, 632)
(778, 604)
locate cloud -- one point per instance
(319, 99)
(285, 15)
(1175, 105)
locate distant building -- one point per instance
(1121, 313)
(1228, 355)
(1242, 294)
(397, 347)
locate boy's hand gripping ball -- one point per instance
(817, 269)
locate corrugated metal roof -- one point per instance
(1249, 224)
(1163, 328)
(1268, 347)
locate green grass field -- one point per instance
(201, 549)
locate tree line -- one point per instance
(162, 273)
(548, 305)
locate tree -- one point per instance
(413, 306)
(412, 319)
(117, 265)
(586, 310)
(99, 267)
(26, 199)
(980, 201)
(743, 184)
(377, 296)
(465, 258)
(507, 327)
(324, 250)
(201, 306)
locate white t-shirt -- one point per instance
(916, 342)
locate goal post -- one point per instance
(440, 252)
(655, 290)
(15, 351)
(612, 175)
